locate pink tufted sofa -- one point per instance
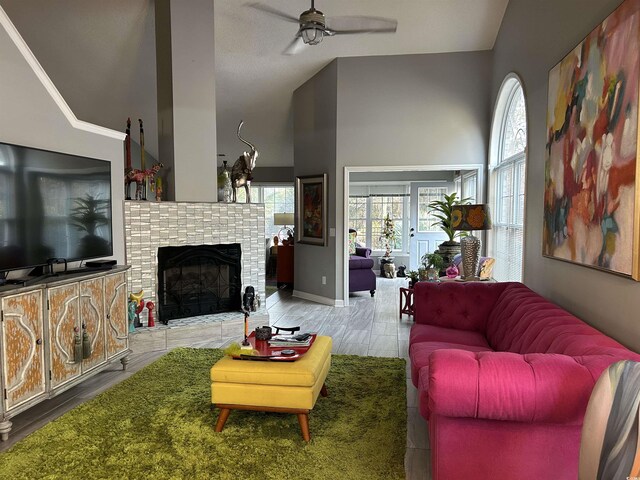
(504, 377)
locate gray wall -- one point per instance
(531, 41)
(194, 100)
(408, 110)
(273, 175)
(31, 117)
(414, 109)
(100, 55)
(314, 134)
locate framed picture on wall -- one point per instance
(311, 210)
(591, 196)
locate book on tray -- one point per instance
(301, 340)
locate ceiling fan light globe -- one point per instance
(311, 35)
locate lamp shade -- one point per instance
(311, 35)
(283, 218)
(471, 217)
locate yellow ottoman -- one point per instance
(289, 387)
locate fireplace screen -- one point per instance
(198, 280)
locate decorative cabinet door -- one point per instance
(64, 316)
(93, 319)
(23, 354)
(117, 325)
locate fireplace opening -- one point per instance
(198, 280)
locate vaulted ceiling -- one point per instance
(101, 56)
(255, 81)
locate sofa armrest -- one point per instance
(363, 252)
(539, 387)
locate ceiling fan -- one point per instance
(314, 26)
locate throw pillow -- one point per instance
(352, 243)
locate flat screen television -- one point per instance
(52, 206)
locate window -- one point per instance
(470, 187)
(276, 200)
(426, 195)
(369, 206)
(507, 177)
(358, 217)
(381, 205)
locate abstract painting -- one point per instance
(591, 192)
(311, 209)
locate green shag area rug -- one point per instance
(158, 424)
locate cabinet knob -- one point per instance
(108, 316)
(39, 341)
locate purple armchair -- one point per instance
(361, 274)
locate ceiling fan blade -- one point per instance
(296, 46)
(360, 24)
(272, 11)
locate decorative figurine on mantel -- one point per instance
(140, 176)
(127, 149)
(241, 172)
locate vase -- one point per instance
(422, 274)
(433, 275)
(448, 250)
(224, 184)
(452, 271)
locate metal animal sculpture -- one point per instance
(241, 171)
(139, 177)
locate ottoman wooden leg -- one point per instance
(323, 391)
(222, 418)
(303, 420)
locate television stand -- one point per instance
(39, 325)
(26, 281)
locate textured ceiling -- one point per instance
(255, 82)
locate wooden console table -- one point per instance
(406, 301)
(38, 327)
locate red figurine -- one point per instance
(151, 321)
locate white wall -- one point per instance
(31, 117)
(531, 41)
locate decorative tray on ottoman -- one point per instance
(274, 353)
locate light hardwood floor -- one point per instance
(369, 326)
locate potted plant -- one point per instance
(433, 262)
(389, 234)
(413, 277)
(442, 210)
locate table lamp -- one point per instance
(470, 218)
(283, 219)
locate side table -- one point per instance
(406, 301)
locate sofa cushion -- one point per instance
(524, 322)
(431, 333)
(464, 306)
(419, 354)
(357, 263)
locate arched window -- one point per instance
(507, 172)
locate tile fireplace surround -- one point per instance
(149, 225)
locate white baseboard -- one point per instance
(318, 299)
